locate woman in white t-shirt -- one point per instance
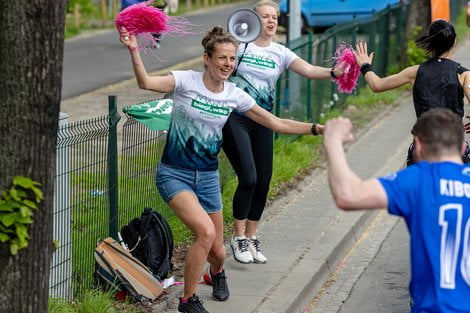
(187, 175)
(249, 145)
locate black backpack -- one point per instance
(149, 239)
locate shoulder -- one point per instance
(411, 71)
(186, 75)
(280, 47)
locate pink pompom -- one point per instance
(143, 19)
(346, 82)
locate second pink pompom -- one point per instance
(347, 82)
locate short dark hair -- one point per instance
(441, 131)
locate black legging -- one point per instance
(249, 148)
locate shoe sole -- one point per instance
(236, 259)
(219, 300)
(259, 262)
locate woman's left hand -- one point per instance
(320, 128)
(338, 70)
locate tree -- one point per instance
(419, 15)
(31, 54)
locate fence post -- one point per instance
(333, 88)
(309, 82)
(113, 166)
(60, 277)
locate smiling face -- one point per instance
(221, 63)
(269, 15)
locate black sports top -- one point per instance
(437, 86)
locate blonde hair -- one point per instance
(270, 3)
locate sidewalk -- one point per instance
(303, 234)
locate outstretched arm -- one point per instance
(155, 83)
(281, 125)
(466, 84)
(349, 191)
(377, 84)
(301, 67)
(466, 89)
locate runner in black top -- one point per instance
(437, 83)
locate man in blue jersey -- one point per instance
(433, 196)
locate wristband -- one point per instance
(366, 67)
(332, 73)
(314, 129)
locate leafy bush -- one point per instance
(415, 54)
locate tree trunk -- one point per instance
(31, 54)
(419, 14)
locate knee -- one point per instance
(248, 180)
(206, 237)
(218, 253)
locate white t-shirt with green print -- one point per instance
(198, 115)
(259, 70)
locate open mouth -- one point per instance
(226, 71)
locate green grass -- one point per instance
(94, 301)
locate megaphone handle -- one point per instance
(240, 60)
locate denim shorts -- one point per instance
(171, 180)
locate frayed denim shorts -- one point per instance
(171, 180)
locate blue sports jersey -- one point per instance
(434, 199)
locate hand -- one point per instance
(361, 54)
(467, 125)
(128, 39)
(338, 129)
(320, 129)
(339, 69)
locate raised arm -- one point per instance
(377, 84)
(155, 83)
(280, 125)
(349, 191)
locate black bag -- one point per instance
(150, 240)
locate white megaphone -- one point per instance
(244, 25)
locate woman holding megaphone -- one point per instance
(249, 145)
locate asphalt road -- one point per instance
(383, 286)
(91, 62)
(374, 275)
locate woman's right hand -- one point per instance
(128, 39)
(361, 53)
(467, 125)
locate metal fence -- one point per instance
(98, 190)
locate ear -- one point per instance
(206, 59)
(464, 148)
(419, 149)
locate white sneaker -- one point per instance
(253, 247)
(240, 249)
